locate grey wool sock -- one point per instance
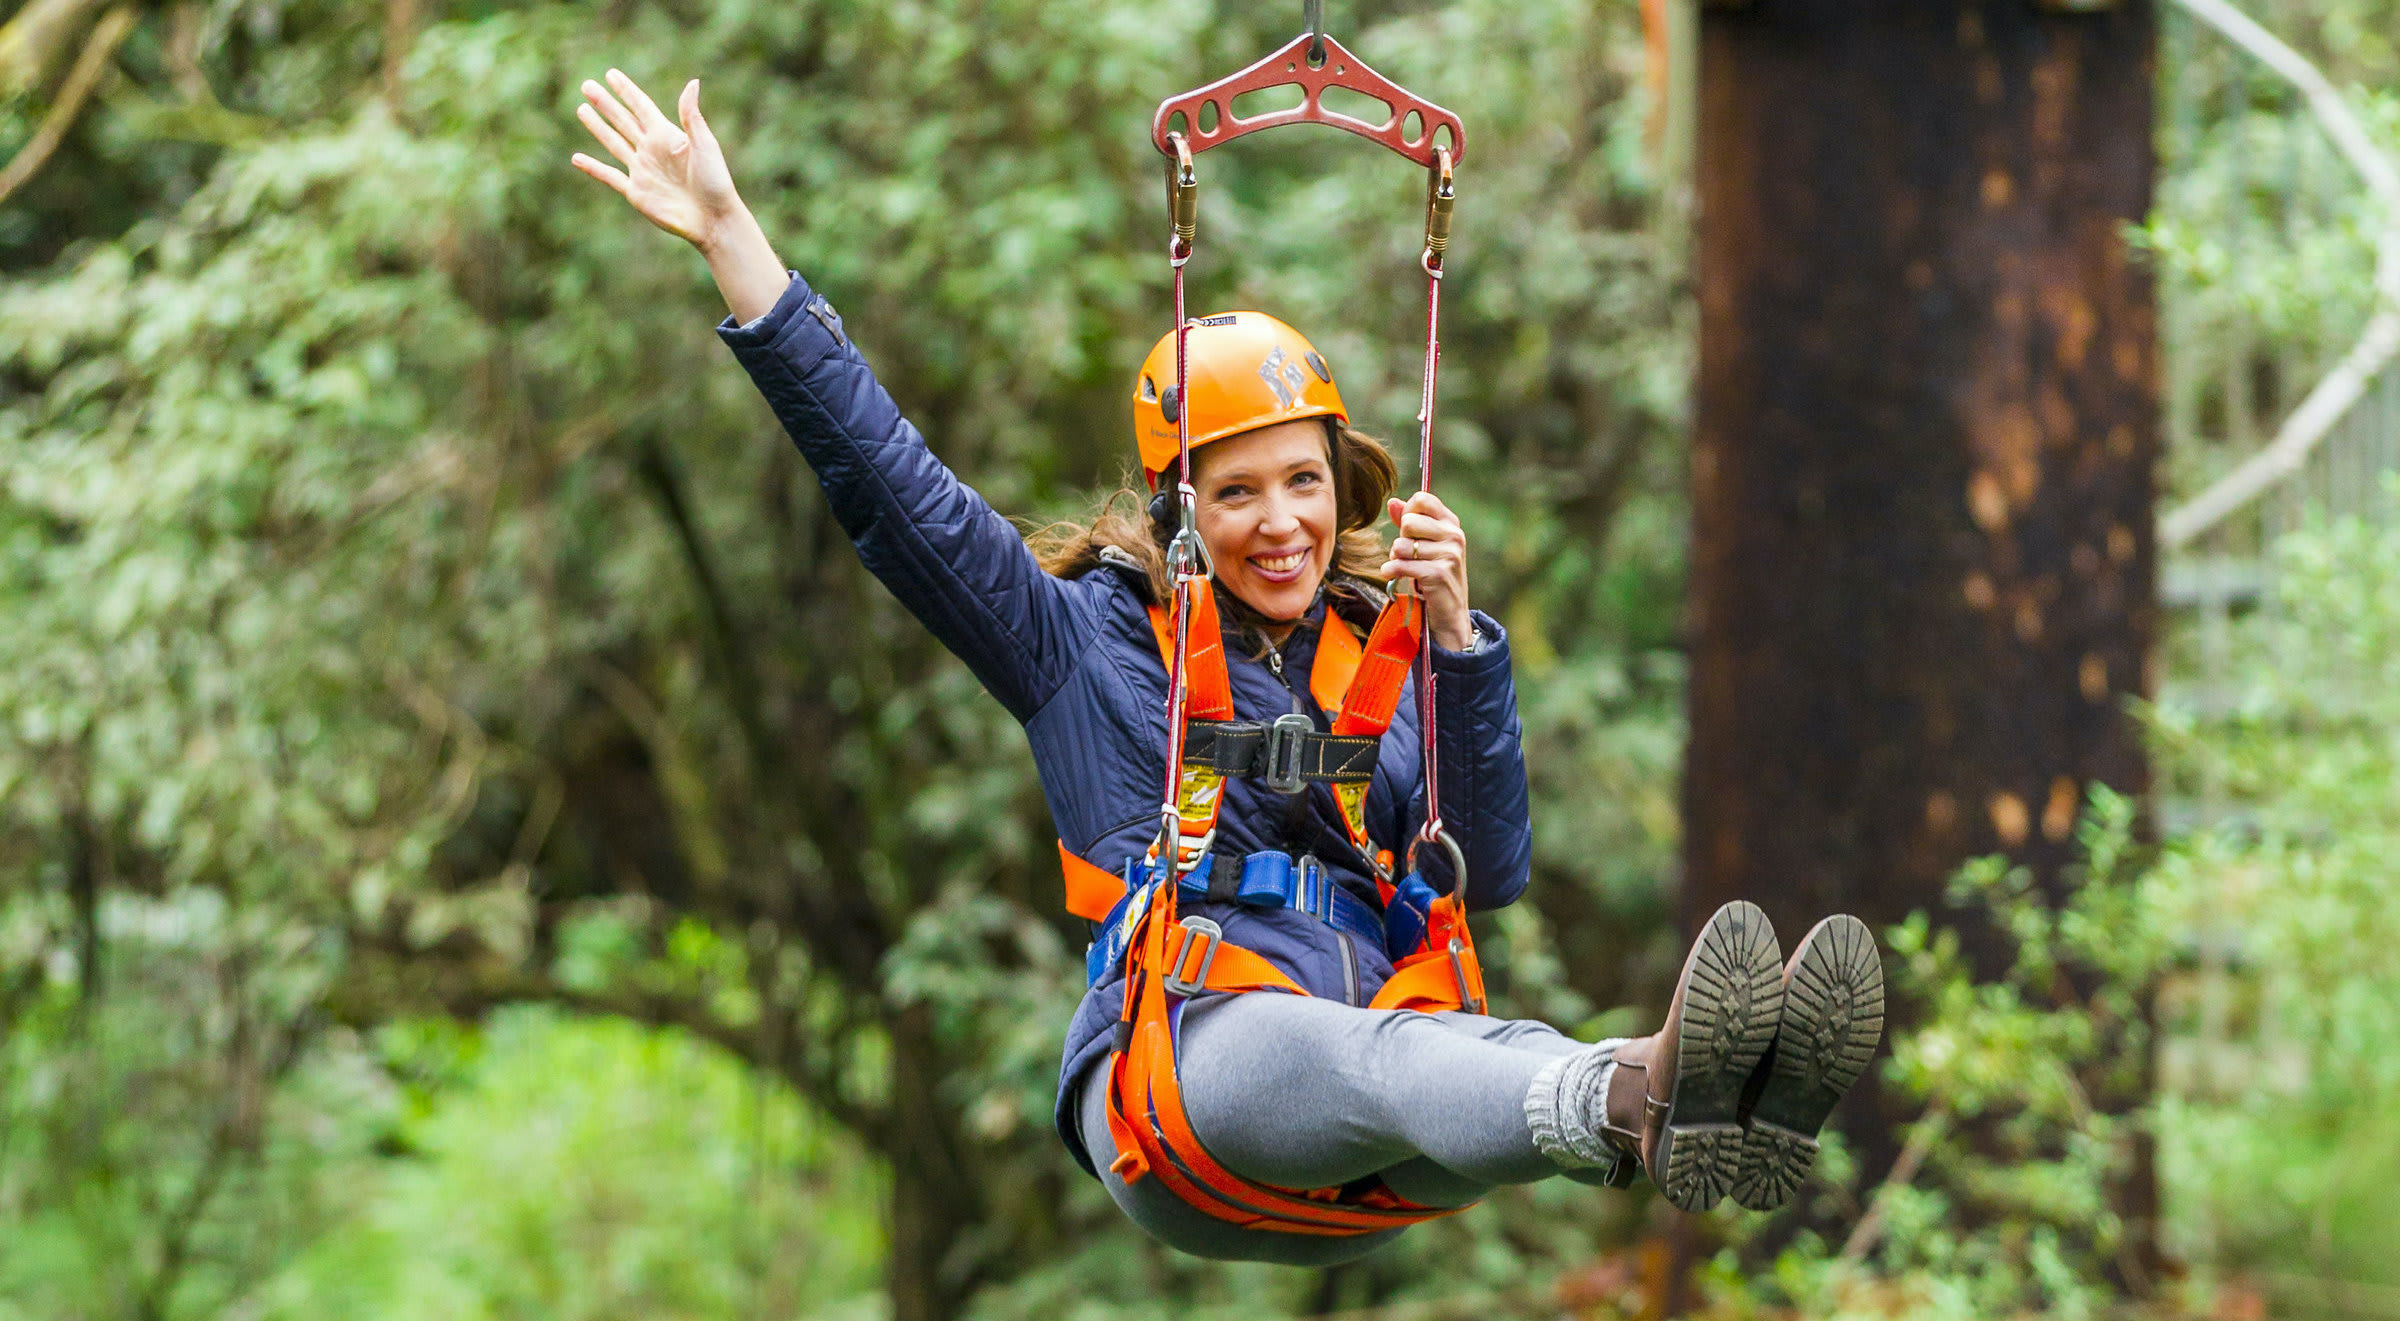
(1567, 1104)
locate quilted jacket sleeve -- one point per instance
(949, 557)
(1485, 802)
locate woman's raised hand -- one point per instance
(1431, 551)
(675, 175)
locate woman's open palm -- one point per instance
(674, 175)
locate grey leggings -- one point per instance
(1311, 1093)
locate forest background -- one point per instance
(474, 843)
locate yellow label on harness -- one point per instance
(1352, 796)
(1197, 801)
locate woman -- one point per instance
(1300, 1091)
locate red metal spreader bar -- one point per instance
(1312, 62)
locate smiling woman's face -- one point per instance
(1267, 514)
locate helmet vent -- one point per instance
(1316, 363)
(1149, 390)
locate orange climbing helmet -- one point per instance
(1247, 369)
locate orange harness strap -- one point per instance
(1333, 679)
(1146, 1115)
(1091, 891)
(1200, 788)
(1147, 1122)
(1336, 666)
(1369, 699)
(1359, 686)
(1433, 979)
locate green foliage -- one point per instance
(2240, 976)
(2264, 235)
(595, 1169)
(2029, 1087)
(392, 564)
(2282, 1101)
(165, 1114)
(406, 610)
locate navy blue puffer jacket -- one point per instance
(1075, 661)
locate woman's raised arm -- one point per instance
(956, 564)
(676, 176)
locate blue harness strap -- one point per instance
(1266, 879)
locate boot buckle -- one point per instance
(1622, 1171)
(1625, 1156)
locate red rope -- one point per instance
(1179, 252)
(1425, 685)
(1179, 682)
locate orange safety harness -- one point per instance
(1168, 960)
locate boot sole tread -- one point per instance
(1732, 1004)
(1832, 1023)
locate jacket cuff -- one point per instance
(1489, 653)
(801, 328)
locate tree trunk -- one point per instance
(1923, 575)
(935, 1200)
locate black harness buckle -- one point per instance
(1280, 757)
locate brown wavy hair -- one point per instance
(1364, 478)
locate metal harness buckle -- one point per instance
(1279, 757)
(1196, 938)
(1190, 852)
(1467, 999)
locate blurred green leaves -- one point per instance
(583, 1170)
(392, 564)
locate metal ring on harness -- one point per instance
(1458, 861)
(1181, 854)
(1468, 1000)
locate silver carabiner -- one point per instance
(1467, 999)
(1187, 556)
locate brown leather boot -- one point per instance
(1673, 1098)
(1832, 1020)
